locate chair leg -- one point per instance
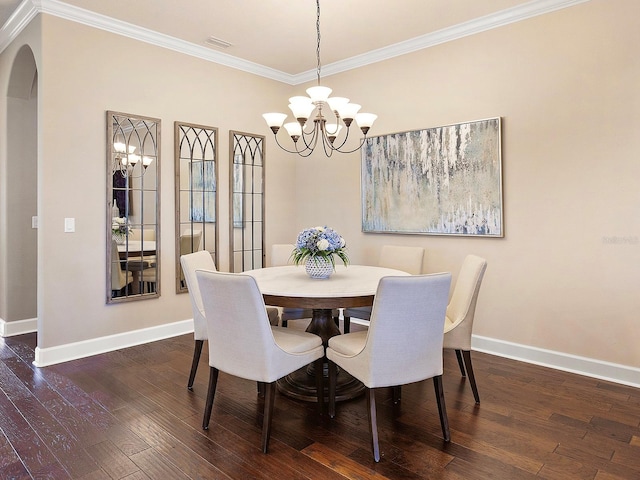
(319, 366)
(472, 377)
(284, 323)
(269, 398)
(213, 381)
(442, 409)
(396, 393)
(333, 374)
(347, 324)
(373, 423)
(460, 362)
(197, 350)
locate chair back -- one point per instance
(281, 254)
(190, 242)
(118, 276)
(404, 341)
(191, 262)
(407, 259)
(243, 344)
(145, 234)
(462, 307)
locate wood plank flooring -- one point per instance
(128, 415)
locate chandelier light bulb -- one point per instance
(336, 103)
(294, 129)
(300, 99)
(365, 121)
(274, 120)
(122, 147)
(301, 111)
(319, 93)
(131, 159)
(349, 110)
(333, 130)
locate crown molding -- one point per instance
(28, 9)
(449, 34)
(17, 22)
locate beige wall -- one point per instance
(77, 86)
(565, 85)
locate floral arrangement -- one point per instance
(316, 242)
(119, 226)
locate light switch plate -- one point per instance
(69, 225)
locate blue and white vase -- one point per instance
(118, 236)
(318, 267)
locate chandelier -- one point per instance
(125, 160)
(311, 126)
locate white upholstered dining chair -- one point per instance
(460, 314)
(119, 278)
(189, 242)
(387, 356)
(202, 260)
(407, 259)
(243, 343)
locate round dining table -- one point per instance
(348, 286)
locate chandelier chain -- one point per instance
(318, 38)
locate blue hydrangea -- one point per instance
(319, 241)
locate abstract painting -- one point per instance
(203, 192)
(439, 181)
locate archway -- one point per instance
(20, 200)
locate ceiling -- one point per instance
(280, 35)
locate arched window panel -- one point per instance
(133, 207)
(196, 193)
(247, 201)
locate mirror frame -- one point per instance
(203, 147)
(148, 145)
(243, 144)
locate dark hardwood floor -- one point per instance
(128, 414)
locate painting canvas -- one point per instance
(203, 191)
(440, 181)
(238, 189)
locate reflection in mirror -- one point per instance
(196, 193)
(133, 207)
(247, 201)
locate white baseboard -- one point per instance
(95, 346)
(18, 327)
(358, 321)
(589, 367)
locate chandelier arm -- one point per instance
(313, 136)
(327, 146)
(275, 136)
(355, 149)
(344, 140)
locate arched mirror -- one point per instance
(247, 201)
(196, 193)
(133, 207)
